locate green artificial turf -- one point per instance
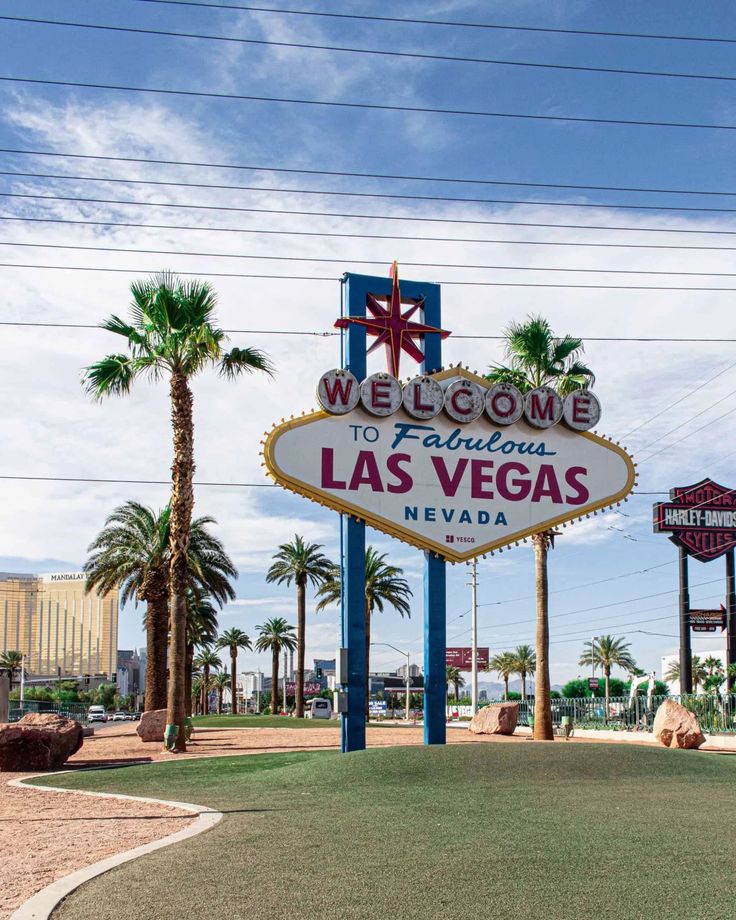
(492, 831)
(264, 721)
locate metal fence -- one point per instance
(715, 713)
(76, 711)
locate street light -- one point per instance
(408, 679)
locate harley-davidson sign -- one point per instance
(449, 462)
(700, 518)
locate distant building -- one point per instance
(414, 670)
(668, 660)
(131, 672)
(53, 622)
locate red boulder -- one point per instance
(40, 741)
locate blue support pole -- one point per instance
(435, 692)
(353, 588)
(435, 592)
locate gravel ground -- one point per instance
(46, 835)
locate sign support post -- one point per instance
(435, 587)
(353, 562)
(730, 617)
(686, 653)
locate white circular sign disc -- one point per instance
(338, 391)
(380, 394)
(581, 410)
(464, 401)
(542, 407)
(504, 404)
(423, 397)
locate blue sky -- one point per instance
(50, 428)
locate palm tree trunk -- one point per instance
(275, 682)
(182, 503)
(219, 701)
(506, 686)
(157, 638)
(367, 659)
(188, 677)
(233, 681)
(542, 701)
(206, 691)
(457, 692)
(607, 672)
(301, 626)
(523, 684)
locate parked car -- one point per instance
(96, 714)
(120, 716)
(318, 709)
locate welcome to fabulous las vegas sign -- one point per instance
(448, 462)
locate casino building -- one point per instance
(56, 625)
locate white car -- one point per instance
(121, 716)
(96, 714)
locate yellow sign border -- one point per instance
(407, 536)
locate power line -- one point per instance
(382, 217)
(372, 106)
(158, 482)
(442, 22)
(140, 482)
(681, 399)
(343, 260)
(271, 277)
(374, 52)
(280, 190)
(318, 334)
(361, 236)
(690, 419)
(685, 437)
(359, 175)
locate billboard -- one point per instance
(463, 658)
(700, 518)
(707, 620)
(448, 462)
(311, 688)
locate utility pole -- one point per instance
(258, 691)
(474, 636)
(22, 679)
(286, 660)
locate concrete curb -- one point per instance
(41, 905)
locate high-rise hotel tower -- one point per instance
(53, 622)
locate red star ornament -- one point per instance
(391, 327)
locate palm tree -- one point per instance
(524, 662)
(131, 553)
(11, 662)
(300, 562)
(607, 652)
(384, 586)
(275, 635)
(537, 358)
(700, 672)
(234, 639)
(220, 682)
(207, 658)
(173, 334)
(197, 692)
(201, 631)
(503, 664)
(454, 677)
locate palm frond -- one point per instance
(244, 360)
